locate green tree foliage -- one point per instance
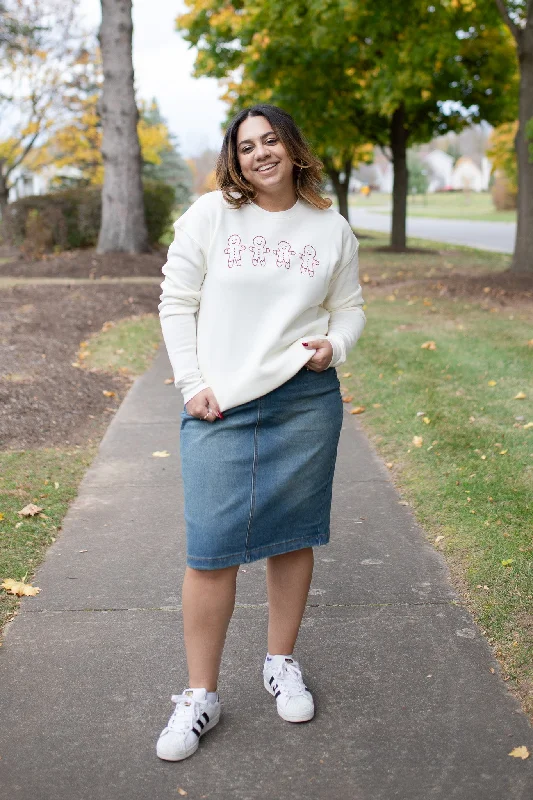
(170, 168)
(360, 71)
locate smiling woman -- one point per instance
(261, 301)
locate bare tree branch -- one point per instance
(515, 30)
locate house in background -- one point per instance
(440, 168)
(25, 183)
(469, 176)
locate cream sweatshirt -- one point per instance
(243, 289)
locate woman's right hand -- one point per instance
(204, 406)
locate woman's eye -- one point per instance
(271, 141)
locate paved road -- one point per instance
(407, 707)
(497, 236)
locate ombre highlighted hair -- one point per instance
(307, 168)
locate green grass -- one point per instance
(441, 205)
(471, 481)
(48, 478)
(127, 346)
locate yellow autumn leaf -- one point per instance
(357, 410)
(107, 393)
(30, 510)
(347, 398)
(528, 425)
(428, 346)
(377, 405)
(346, 374)
(519, 752)
(1, 517)
(503, 452)
(418, 441)
(426, 420)
(160, 454)
(492, 383)
(520, 396)
(19, 587)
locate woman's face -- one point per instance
(262, 157)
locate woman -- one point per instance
(260, 302)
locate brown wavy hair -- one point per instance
(307, 168)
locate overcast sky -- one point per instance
(163, 65)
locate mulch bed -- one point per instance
(44, 400)
(87, 264)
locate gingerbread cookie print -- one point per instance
(309, 261)
(258, 249)
(233, 250)
(283, 254)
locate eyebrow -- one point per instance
(250, 141)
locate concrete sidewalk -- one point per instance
(407, 707)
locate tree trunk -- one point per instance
(4, 197)
(398, 139)
(341, 186)
(123, 226)
(523, 254)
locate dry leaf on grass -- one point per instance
(528, 425)
(160, 454)
(418, 441)
(357, 410)
(492, 383)
(30, 510)
(506, 562)
(530, 343)
(1, 517)
(519, 752)
(428, 346)
(520, 396)
(426, 420)
(346, 374)
(19, 587)
(347, 398)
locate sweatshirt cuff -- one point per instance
(339, 348)
(189, 392)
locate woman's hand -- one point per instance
(204, 406)
(322, 358)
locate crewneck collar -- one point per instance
(289, 212)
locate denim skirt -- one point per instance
(258, 482)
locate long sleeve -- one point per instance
(344, 301)
(184, 274)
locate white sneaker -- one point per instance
(192, 717)
(283, 679)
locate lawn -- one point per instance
(440, 205)
(455, 426)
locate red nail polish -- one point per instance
(219, 415)
(305, 344)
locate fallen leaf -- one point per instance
(418, 441)
(346, 374)
(530, 343)
(119, 352)
(56, 485)
(439, 539)
(378, 405)
(483, 458)
(528, 425)
(30, 510)
(428, 346)
(426, 420)
(182, 791)
(347, 398)
(389, 464)
(519, 752)
(506, 562)
(161, 454)
(492, 383)
(403, 502)
(520, 396)
(19, 587)
(1, 516)
(503, 452)
(107, 325)
(107, 393)
(357, 410)
(168, 381)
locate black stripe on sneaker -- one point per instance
(200, 723)
(204, 715)
(196, 732)
(271, 680)
(277, 693)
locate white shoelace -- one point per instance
(289, 678)
(185, 714)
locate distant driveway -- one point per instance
(497, 236)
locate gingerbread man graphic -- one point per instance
(259, 248)
(309, 261)
(234, 250)
(283, 255)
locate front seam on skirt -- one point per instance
(254, 479)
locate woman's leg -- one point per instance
(208, 599)
(288, 581)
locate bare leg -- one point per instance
(208, 602)
(288, 581)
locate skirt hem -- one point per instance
(257, 553)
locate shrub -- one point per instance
(70, 218)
